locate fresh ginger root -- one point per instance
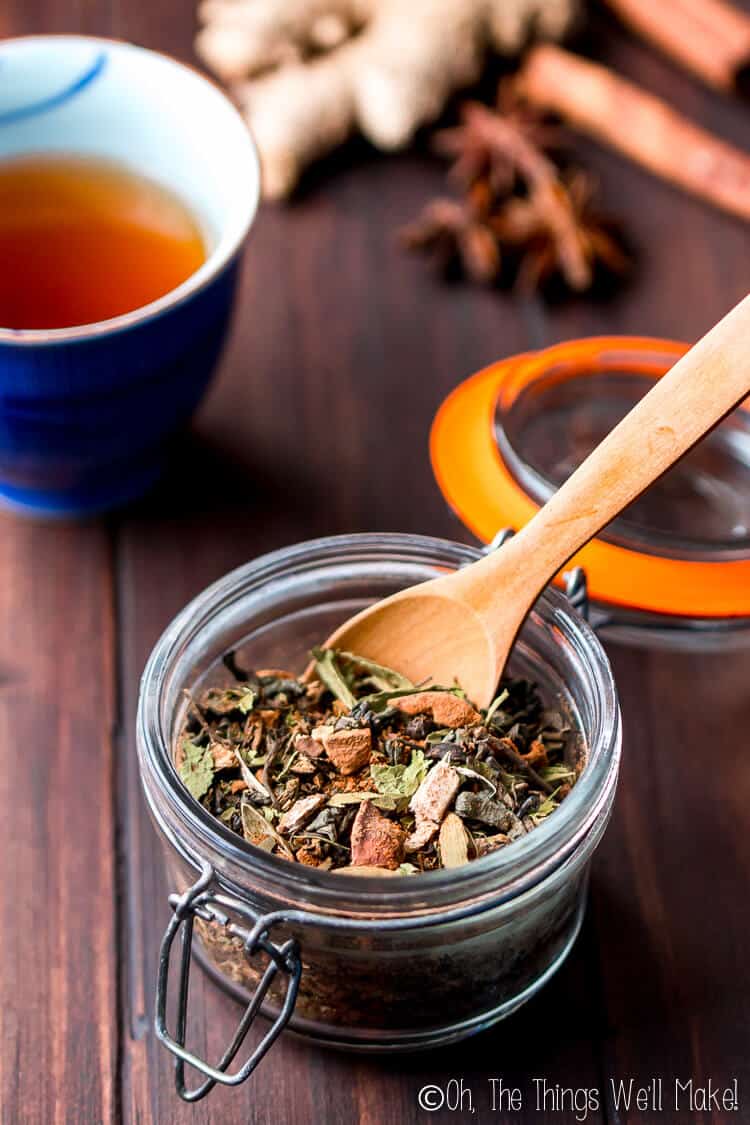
(308, 73)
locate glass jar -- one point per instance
(373, 963)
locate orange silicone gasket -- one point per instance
(480, 488)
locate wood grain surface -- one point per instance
(341, 350)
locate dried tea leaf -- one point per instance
(197, 768)
(453, 842)
(400, 781)
(485, 780)
(258, 830)
(247, 702)
(444, 734)
(329, 673)
(547, 806)
(223, 701)
(380, 701)
(382, 678)
(496, 703)
(476, 806)
(255, 827)
(249, 777)
(559, 772)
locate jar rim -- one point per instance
(563, 366)
(506, 869)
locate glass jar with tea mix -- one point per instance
(374, 962)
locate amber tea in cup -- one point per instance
(83, 240)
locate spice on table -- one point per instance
(594, 100)
(711, 38)
(361, 771)
(518, 203)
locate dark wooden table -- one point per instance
(300, 437)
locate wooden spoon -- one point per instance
(461, 627)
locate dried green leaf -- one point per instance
(329, 673)
(387, 804)
(249, 777)
(257, 829)
(247, 701)
(559, 772)
(445, 734)
(197, 768)
(496, 702)
(547, 806)
(476, 775)
(379, 701)
(381, 677)
(400, 781)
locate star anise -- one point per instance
(500, 146)
(515, 198)
(457, 230)
(557, 231)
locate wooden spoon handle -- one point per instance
(684, 405)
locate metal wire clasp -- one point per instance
(199, 902)
(576, 585)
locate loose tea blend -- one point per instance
(363, 772)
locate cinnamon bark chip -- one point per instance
(434, 796)
(446, 709)
(321, 733)
(376, 841)
(301, 813)
(223, 756)
(303, 767)
(308, 746)
(431, 802)
(349, 750)
(421, 836)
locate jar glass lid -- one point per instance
(679, 557)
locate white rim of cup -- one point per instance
(220, 256)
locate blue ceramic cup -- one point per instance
(85, 412)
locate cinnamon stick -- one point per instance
(711, 38)
(644, 128)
